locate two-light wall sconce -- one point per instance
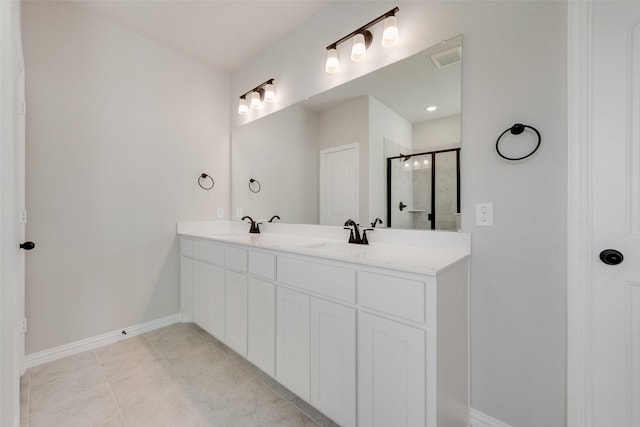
(362, 39)
(265, 92)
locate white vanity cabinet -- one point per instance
(367, 345)
(333, 360)
(261, 325)
(208, 298)
(293, 336)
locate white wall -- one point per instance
(348, 123)
(118, 130)
(384, 124)
(282, 154)
(514, 70)
(439, 134)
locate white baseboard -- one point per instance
(35, 359)
(478, 419)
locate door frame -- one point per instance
(579, 214)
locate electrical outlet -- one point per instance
(220, 212)
(239, 213)
(484, 214)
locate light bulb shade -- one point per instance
(332, 65)
(390, 36)
(255, 100)
(269, 93)
(359, 49)
(243, 107)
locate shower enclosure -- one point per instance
(423, 190)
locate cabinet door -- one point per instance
(236, 312)
(208, 298)
(333, 361)
(261, 349)
(292, 332)
(186, 289)
(391, 373)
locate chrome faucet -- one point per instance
(354, 235)
(255, 227)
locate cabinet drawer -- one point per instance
(398, 296)
(208, 252)
(329, 280)
(262, 264)
(236, 259)
(186, 247)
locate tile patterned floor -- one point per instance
(177, 376)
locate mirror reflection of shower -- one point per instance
(427, 187)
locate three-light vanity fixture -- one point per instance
(264, 92)
(362, 39)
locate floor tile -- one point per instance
(47, 394)
(157, 382)
(94, 408)
(254, 404)
(177, 376)
(185, 411)
(62, 367)
(121, 359)
(178, 344)
(313, 413)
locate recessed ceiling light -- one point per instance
(432, 108)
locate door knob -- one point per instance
(27, 246)
(611, 257)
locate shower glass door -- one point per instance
(423, 190)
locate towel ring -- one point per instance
(252, 185)
(517, 129)
(201, 179)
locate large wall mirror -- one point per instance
(366, 149)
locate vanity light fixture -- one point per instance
(432, 108)
(264, 92)
(243, 106)
(362, 39)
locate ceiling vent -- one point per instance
(447, 57)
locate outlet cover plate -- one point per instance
(484, 214)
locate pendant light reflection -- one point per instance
(263, 93)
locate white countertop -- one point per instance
(427, 252)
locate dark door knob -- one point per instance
(611, 257)
(27, 246)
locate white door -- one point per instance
(339, 184)
(20, 167)
(615, 375)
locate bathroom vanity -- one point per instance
(370, 335)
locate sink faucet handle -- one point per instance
(365, 241)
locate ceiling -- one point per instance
(224, 33)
